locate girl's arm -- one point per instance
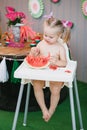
(60, 59)
(34, 51)
(62, 62)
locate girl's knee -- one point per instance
(56, 87)
(55, 90)
(38, 83)
(56, 84)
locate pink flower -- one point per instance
(20, 15)
(11, 16)
(10, 9)
(14, 16)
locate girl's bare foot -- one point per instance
(46, 115)
(51, 112)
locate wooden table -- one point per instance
(14, 52)
(8, 90)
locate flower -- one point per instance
(13, 16)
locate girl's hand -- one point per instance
(34, 51)
(53, 60)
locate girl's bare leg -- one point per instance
(38, 91)
(55, 88)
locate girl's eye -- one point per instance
(45, 35)
(51, 37)
(48, 36)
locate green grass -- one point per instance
(61, 119)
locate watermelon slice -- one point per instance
(53, 67)
(37, 62)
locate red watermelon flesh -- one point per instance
(53, 67)
(38, 61)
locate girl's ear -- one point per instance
(59, 35)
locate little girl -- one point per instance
(53, 30)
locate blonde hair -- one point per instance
(65, 31)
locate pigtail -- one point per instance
(50, 20)
(66, 35)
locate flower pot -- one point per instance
(16, 31)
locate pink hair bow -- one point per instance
(48, 16)
(67, 23)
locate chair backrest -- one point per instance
(66, 48)
(67, 51)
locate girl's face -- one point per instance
(50, 35)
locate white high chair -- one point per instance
(67, 75)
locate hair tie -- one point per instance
(48, 16)
(67, 23)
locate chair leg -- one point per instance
(72, 108)
(78, 104)
(18, 107)
(26, 105)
